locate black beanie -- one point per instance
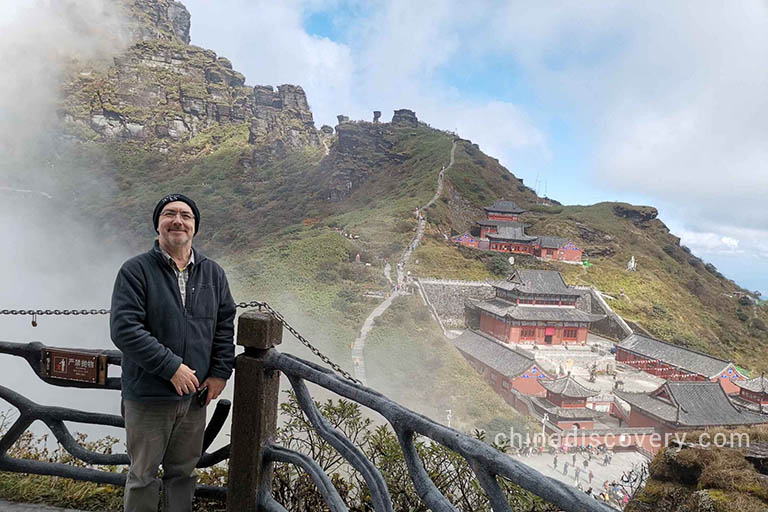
(171, 198)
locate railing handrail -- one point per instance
(253, 450)
(54, 417)
(259, 334)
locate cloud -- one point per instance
(674, 95)
(392, 58)
(267, 42)
(662, 102)
(709, 243)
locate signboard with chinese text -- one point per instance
(74, 366)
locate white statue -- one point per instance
(632, 265)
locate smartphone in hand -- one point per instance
(202, 395)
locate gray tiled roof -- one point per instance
(691, 360)
(743, 403)
(504, 207)
(568, 386)
(502, 359)
(487, 222)
(516, 233)
(757, 385)
(701, 404)
(574, 413)
(552, 313)
(536, 281)
(501, 307)
(552, 242)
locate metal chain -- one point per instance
(252, 304)
(41, 312)
(296, 334)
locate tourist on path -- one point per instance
(554, 462)
(173, 318)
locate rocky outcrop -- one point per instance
(148, 20)
(405, 117)
(637, 214)
(163, 90)
(180, 20)
(360, 148)
(694, 478)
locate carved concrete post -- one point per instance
(254, 414)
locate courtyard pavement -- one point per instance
(621, 462)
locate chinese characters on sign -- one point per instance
(74, 366)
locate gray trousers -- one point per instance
(168, 433)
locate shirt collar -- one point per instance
(170, 260)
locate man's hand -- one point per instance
(215, 387)
(184, 380)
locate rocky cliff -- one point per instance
(162, 90)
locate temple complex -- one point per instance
(685, 405)
(753, 394)
(676, 363)
(566, 404)
(532, 307)
(503, 367)
(502, 231)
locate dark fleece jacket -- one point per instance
(156, 333)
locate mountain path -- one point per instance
(358, 359)
(25, 191)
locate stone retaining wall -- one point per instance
(612, 326)
(447, 297)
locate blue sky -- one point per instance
(662, 104)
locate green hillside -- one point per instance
(275, 194)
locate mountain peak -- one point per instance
(163, 90)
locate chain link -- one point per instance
(296, 334)
(54, 312)
(252, 304)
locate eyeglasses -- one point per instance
(171, 214)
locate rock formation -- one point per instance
(360, 147)
(162, 90)
(637, 214)
(405, 117)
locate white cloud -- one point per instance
(673, 95)
(667, 98)
(709, 243)
(266, 41)
(396, 49)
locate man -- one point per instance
(173, 319)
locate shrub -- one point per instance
(758, 324)
(498, 265)
(669, 249)
(741, 315)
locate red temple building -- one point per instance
(566, 404)
(502, 231)
(531, 307)
(502, 366)
(688, 405)
(676, 363)
(753, 394)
